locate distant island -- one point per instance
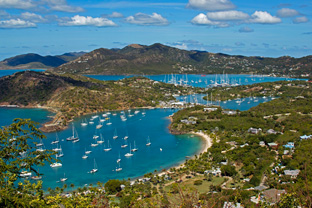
(161, 59)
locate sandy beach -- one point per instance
(207, 144)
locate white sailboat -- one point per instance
(115, 134)
(63, 179)
(119, 159)
(148, 142)
(129, 154)
(39, 144)
(134, 149)
(99, 125)
(124, 145)
(118, 169)
(60, 154)
(87, 152)
(74, 136)
(94, 170)
(84, 123)
(102, 140)
(57, 140)
(56, 164)
(108, 147)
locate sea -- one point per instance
(139, 125)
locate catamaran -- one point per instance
(118, 169)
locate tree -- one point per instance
(112, 186)
(18, 154)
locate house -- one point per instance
(254, 130)
(290, 145)
(273, 145)
(213, 171)
(230, 112)
(262, 143)
(186, 121)
(210, 109)
(305, 137)
(271, 131)
(273, 195)
(292, 173)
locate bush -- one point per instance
(198, 182)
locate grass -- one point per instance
(203, 188)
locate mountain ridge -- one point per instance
(162, 59)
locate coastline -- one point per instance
(207, 143)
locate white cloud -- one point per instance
(210, 5)
(245, 30)
(78, 20)
(32, 17)
(227, 15)
(61, 6)
(16, 23)
(202, 19)
(17, 4)
(264, 18)
(145, 19)
(286, 12)
(115, 15)
(298, 20)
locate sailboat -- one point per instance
(63, 179)
(99, 125)
(60, 154)
(108, 147)
(109, 122)
(94, 170)
(74, 136)
(56, 140)
(94, 144)
(118, 169)
(84, 123)
(57, 149)
(101, 141)
(134, 149)
(148, 143)
(39, 144)
(118, 160)
(129, 154)
(87, 152)
(115, 134)
(56, 164)
(125, 145)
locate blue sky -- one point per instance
(238, 27)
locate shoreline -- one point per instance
(207, 143)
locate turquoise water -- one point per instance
(235, 104)
(202, 80)
(9, 72)
(154, 124)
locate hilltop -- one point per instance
(162, 59)
(36, 61)
(74, 95)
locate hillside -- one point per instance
(161, 59)
(35, 61)
(72, 95)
